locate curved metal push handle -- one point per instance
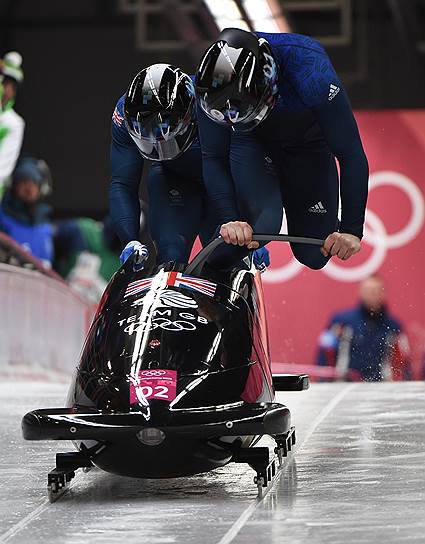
(195, 266)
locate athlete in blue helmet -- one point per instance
(273, 117)
(156, 120)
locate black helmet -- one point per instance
(159, 111)
(236, 81)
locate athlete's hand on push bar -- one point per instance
(238, 233)
(341, 244)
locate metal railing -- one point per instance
(14, 254)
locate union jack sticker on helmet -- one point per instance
(117, 119)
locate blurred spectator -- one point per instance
(11, 124)
(86, 254)
(366, 342)
(23, 214)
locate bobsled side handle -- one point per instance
(291, 382)
(199, 259)
(197, 263)
(287, 238)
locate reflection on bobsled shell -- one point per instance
(172, 364)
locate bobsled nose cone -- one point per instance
(31, 426)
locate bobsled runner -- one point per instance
(174, 379)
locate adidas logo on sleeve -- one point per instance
(333, 91)
(318, 208)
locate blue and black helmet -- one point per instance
(159, 111)
(236, 82)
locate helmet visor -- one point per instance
(161, 136)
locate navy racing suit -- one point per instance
(288, 161)
(177, 199)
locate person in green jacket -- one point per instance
(86, 254)
(11, 124)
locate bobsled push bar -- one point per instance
(198, 262)
(241, 419)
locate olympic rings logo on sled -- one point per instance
(164, 324)
(375, 235)
(152, 373)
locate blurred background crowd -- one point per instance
(61, 71)
(82, 250)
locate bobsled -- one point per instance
(174, 378)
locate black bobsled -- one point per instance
(174, 378)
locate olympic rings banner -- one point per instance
(300, 301)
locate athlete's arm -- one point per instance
(126, 171)
(215, 144)
(340, 130)
(317, 84)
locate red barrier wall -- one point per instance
(300, 301)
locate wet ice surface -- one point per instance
(358, 475)
(359, 478)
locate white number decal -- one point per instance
(163, 393)
(146, 391)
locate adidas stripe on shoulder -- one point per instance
(333, 91)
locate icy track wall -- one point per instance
(42, 325)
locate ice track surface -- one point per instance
(357, 476)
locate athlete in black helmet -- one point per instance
(237, 80)
(156, 120)
(159, 112)
(273, 117)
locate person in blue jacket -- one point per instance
(156, 120)
(24, 216)
(366, 342)
(273, 117)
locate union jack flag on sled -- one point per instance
(136, 287)
(174, 279)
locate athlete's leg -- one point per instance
(175, 213)
(257, 193)
(310, 189)
(256, 184)
(208, 229)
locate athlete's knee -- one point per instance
(268, 223)
(309, 256)
(175, 248)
